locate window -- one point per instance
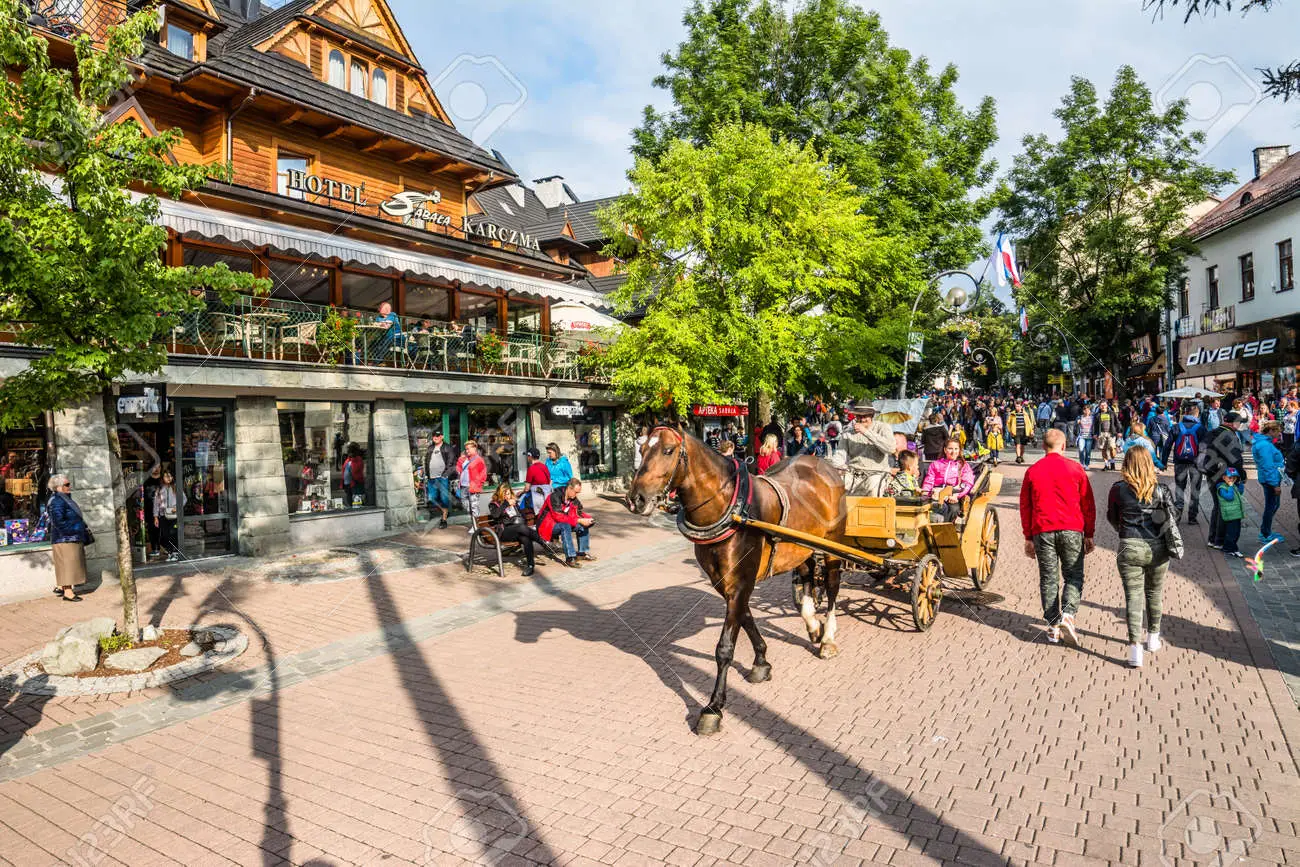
(284, 164)
(594, 435)
(379, 87)
(23, 477)
(1212, 286)
(366, 291)
(524, 318)
(180, 42)
(1247, 263)
(1184, 290)
(338, 72)
(428, 302)
(326, 448)
(1246, 199)
(1285, 267)
(497, 430)
(297, 280)
(358, 78)
(478, 311)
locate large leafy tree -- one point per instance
(752, 256)
(1100, 215)
(1281, 81)
(82, 278)
(827, 75)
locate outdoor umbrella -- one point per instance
(1189, 392)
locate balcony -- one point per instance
(72, 18)
(1208, 322)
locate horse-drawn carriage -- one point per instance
(896, 540)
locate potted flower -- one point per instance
(490, 350)
(336, 337)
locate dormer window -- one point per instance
(338, 71)
(180, 42)
(379, 87)
(1246, 199)
(359, 76)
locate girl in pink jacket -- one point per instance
(950, 471)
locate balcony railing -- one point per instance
(72, 18)
(1208, 322)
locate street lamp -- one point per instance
(983, 357)
(958, 291)
(1041, 336)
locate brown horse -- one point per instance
(736, 558)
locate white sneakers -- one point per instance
(1053, 635)
(1135, 656)
(1153, 642)
(1068, 633)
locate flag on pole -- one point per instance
(1024, 321)
(965, 346)
(1005, 270)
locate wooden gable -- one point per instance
(204, 6)
(130, 111)
(295, 44)
(369, 18)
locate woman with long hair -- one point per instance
(1141, 510)
(769, 454)
(510, 524)
(950, 471)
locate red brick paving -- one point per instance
(561, 733)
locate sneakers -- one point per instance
(1135, 656)
(1215, 545)
(572, 562)
(1264, 540)
(1053, 635)
(1236, 554)
(172, 558)
(527, 571)
(1069, 635)
(1153, 642)
(1295, 552)
(442, 525)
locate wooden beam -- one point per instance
(193, 100)
(291, 116)
(374, 145)
(439, 163)
(414, 155)
(336, 131)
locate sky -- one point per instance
(557, 87)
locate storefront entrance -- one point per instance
(500, 431)
(193, 440)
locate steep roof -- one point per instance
(546, 224)
(1279, 185)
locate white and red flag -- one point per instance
(1005, 270)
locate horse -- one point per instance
(802, 493)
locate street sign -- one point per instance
(916, 346)
(1065, 363)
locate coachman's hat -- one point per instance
(862, 408)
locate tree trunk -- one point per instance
(762, 408)
(125, 568)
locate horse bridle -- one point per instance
(681, 460)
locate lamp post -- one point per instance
(958, 291)
(1041, 336)
(981, 356)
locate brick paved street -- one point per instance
(422, 715)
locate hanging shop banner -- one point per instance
(712, 410)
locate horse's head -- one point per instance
(662, 468)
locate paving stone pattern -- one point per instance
(559, 731)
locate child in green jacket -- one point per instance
(1230, 511)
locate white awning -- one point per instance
(572, 316)
(216, 225)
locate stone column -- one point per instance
(81, 442)
(394, 480)
(259, 478)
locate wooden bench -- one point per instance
(485, 542)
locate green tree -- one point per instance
(1099, 216)
(752, 257)
(826, 75)
(81, 271)
(1282, 82)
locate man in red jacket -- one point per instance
(1059, 517)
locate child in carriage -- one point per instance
(950, 472)
(905, 482)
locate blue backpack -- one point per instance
(1188, 445)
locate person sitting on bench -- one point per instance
(950, 473)
(564, 517)
(510, 525)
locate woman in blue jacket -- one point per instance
(1268, 469)
(558, 465)
(68, 536)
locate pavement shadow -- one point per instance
(19, 714)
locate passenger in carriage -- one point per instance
(905, 482)
(950, 472)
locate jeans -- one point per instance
(1085, 451)
(567, 534)
(1272, 500)
(1189, 476)
(1231, 531)
(1060, 554)
(1142, 567)
(1217, 524)
(1166, 448)
(439, 493)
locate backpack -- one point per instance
(1187, 447)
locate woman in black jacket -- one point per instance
(511, 526)
(1142, 510)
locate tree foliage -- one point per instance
(1282, 81)
(1100, 214)
(826, 75)
(752, 257)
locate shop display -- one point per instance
(316, 439)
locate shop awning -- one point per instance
(1138, 371)
(572, 316)
(210, 224)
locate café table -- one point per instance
(367, 339)
(261, 322)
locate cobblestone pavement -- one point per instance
(429, 716)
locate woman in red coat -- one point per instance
(471, 473)
(769, 454)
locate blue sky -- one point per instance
(568, 81)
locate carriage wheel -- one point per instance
(990, 536)
(927, 591)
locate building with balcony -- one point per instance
(404, 301)
(1238, 309)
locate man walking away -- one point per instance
(1187, 447)
(1220, 452)
(1059, 517)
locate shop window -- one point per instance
(1285, 267)
(307, 282)
(478, 311)
(524, 318)
(594, 435)
(1212, 286)
(359, 76)
(180, 42)
(379, 87)
(428, 302)
(199, 257)
(285, 163)
(367, 291)
(324, 445)
(338, 70)
(23, 476)
(496, 429)
(1247, 265)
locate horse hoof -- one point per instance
(829, 651)
(815, 635)
(709, 723)
(759, 673)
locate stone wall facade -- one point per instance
(263, 506)
(394, 483)
(82, 454)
